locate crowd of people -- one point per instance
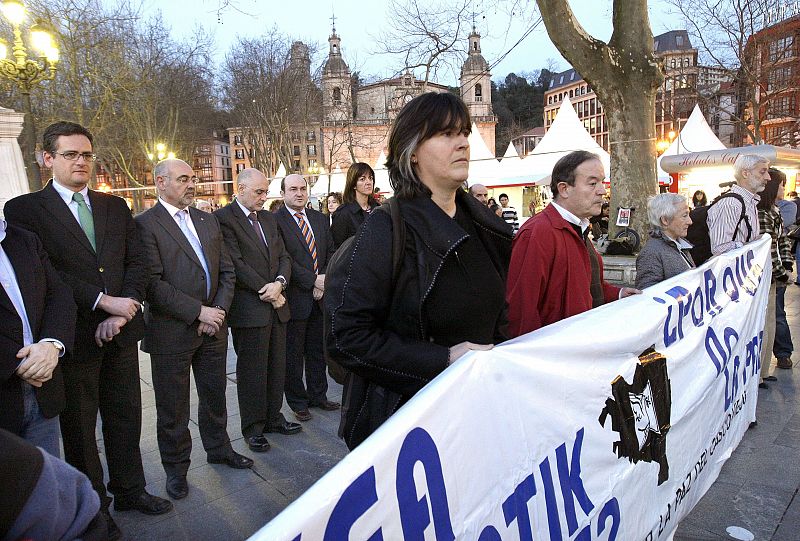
(391, 294)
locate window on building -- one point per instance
(478, 93)
(781, 48)
(239, 153)
(297, 166)
(237, 139)
(311, 135)
(337, 95)
(674, 63)
(679, 40)
(571, 94)
(251, 153)
(239, 168)
(311, 150)
(296, 150)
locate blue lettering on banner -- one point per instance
(353, 503)
(414, 513)
(417, 514)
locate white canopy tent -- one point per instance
(329, 183)
(566, 134)
(696, 136)
(483, 166)
(274, 191)
(382, 176)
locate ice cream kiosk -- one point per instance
(707, 170)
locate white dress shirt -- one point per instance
(66, 195)
(571, 218)
(247, 215)
(173, 211)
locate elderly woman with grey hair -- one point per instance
(667, 252)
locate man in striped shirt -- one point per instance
(725, 229)
(509, 213)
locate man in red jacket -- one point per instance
(555, 271)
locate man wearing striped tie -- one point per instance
(307, 236)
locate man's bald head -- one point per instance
(175, 181)
(253, 186)
(479, 192)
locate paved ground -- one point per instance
(757, 489)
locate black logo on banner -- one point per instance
(640, 412)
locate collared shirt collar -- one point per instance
(244, 209)
(745, 193)
(2, 229)
(173, 210)
(571, 218)
(66, 193)
(293, 212)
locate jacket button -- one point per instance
(101, 269)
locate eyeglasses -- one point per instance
(183, 179)
(72, 156)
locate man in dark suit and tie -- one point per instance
(37, 322)
(307, 236)
(92, 242)
(259, 311)
(189, 294)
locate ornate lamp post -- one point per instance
(26, 73)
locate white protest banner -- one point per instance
(608, 425)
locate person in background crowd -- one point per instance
(92, 241)
(509, 214)
(699, 199)
(777, 336)
(397, 329)
(332, 202)
(497, 209)
(307, 237)
(358, 202)
(37, 325)
(725, 229)
(796, 200)
(202, 204)
(259, 312)
(276, 205)
(555, 271)
(45, 498)
(599, 223)
(667, 252)
(491, 202)
(787, 208)
(479, 192)
(190, 292)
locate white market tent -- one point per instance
(329, 183)
(516, 170)
(483, 166)
(382, 176)
(566, 134)
(274, 191)
(696, 136)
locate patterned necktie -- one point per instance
(85, 218)
(312, 246)
(183, 215)
(254, 222)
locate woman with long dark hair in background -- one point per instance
(358, 201)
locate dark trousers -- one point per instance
(304, 347)
(783, 336)
(260, 375)
(171, 386)
(108, 384)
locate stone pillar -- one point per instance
(13, 181)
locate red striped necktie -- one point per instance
(312, 246)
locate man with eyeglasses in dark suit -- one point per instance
(92, 241)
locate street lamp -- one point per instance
(159, 153)
(26, 72)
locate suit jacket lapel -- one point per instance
(199, 219)
(296, 228)
(100, 216)
(18, 255)
(168, 223)
(55, 206)
(244, 223)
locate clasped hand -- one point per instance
(211, 319)
(119, 306)
(38, 362)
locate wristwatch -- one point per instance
(282, 281)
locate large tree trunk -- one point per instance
(625, 75)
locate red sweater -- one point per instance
(550, 274)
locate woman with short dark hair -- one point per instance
(395, 329)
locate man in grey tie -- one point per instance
(190, 291)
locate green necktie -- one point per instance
(85, 218)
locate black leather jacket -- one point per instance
(378, 330)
